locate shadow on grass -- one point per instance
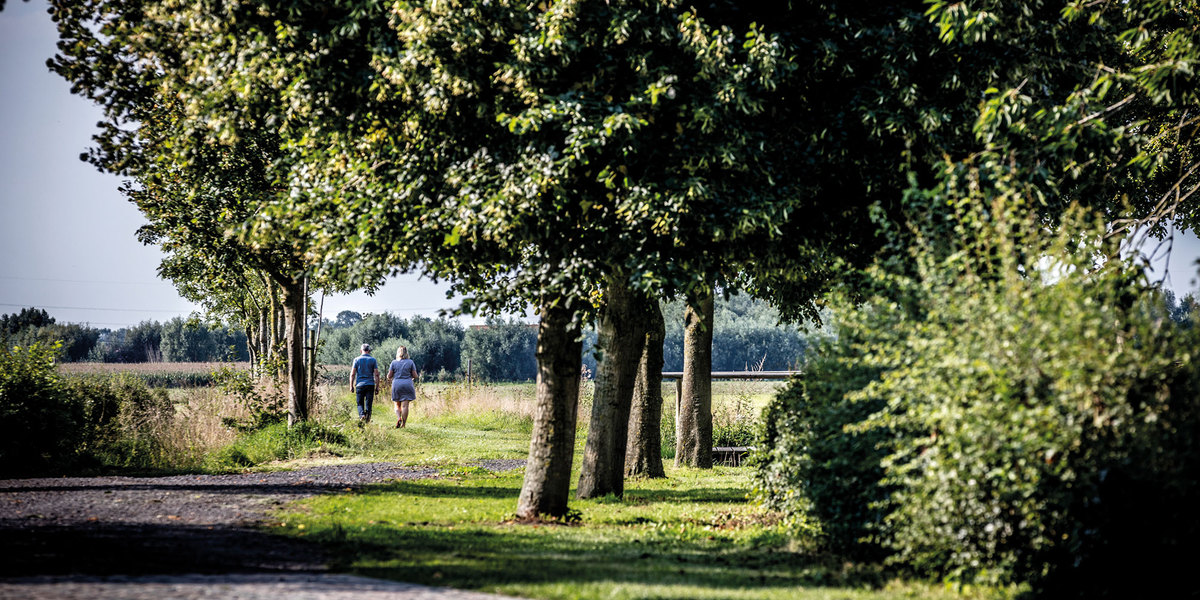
(436, 488)
(480, 557)
(633, 496)
(490, 555)
(725, 495)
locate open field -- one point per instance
(156, 374)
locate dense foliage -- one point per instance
(1009, 412)
(38, 417)
(827, 479)
(760, 145)
(51, 424)
(501, 351)
(36, 326)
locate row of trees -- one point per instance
(176, 340)
(280, 148)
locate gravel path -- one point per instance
(117, 537)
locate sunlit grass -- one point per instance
(692, 535)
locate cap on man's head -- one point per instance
(366, 348)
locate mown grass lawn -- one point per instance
(693, 535)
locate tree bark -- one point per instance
(643, 456)
(264, 342)
(693, 433)
(547, 484)
(294, 305)
(251, 348)
(620, 340)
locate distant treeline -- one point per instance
(747, 335)
(177, 340)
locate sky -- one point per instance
(67, 236)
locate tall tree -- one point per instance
(693, 430)
(478, 135)
(624, 320)
(696, 143)
(547, 483)
(200, 180)
(643, 454)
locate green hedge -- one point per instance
(809, 467)
(51, 424)
(40, 420)
(1000, 418)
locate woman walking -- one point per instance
(403, 374)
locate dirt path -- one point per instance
(119, 533)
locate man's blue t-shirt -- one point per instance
(365, 366)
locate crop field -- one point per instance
(156, 374)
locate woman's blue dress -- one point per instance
(402, 380)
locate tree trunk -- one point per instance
(294, 305)
(620, 339)
(264, 342)
(251, 348)
(693, 434)
(547, 483)
(643, 457)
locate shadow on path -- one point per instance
(172, 524)
(104, 549)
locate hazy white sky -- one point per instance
(67, 236)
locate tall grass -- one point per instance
(736, 408)
(485, 406)
(198, 427)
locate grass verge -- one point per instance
(690, 536)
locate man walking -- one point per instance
(364, 380)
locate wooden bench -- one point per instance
(730, 456)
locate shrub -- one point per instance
(125, 421)
(262, 400)
(810, 467)
(40, 421)
(1032, 420)
(49, 422)
(1050, 428)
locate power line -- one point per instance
(161, 310)
(160, 282)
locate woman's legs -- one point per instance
(404, 413)
(396, 408)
